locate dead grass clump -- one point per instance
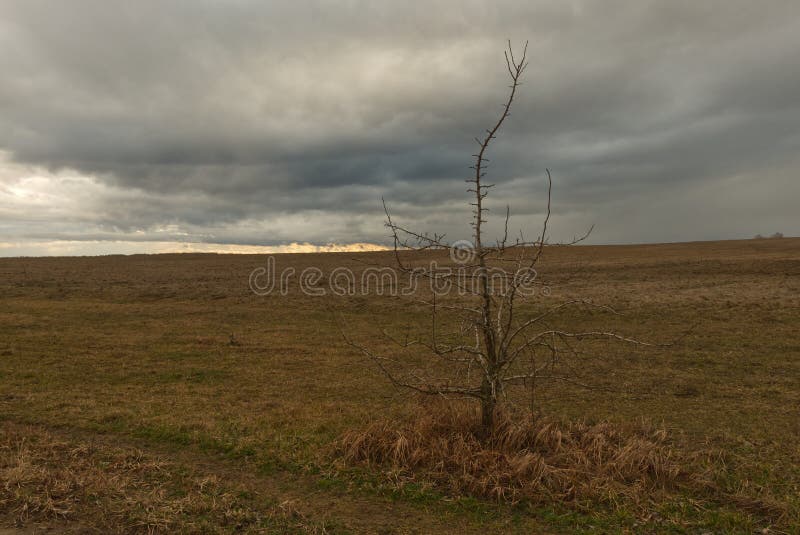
(537, 461)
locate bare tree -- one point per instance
(494, 347)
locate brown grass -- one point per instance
(136, 350)
(544, 461)
(44, 478)
(540, 460)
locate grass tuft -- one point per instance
(538, 461)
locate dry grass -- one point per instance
(539, 460)
(76, 487)
(542, 461)
(138, 350)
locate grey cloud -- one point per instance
(228, 119)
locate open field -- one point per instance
(126, 404)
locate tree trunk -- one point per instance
(490, 390)
(487, 415)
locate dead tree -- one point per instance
(495, 347)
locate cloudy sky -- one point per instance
(225, 125)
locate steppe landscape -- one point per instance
(153, 392)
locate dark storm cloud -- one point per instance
(262, 122)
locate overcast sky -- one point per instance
(208, 125)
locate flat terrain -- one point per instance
(160, 393)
